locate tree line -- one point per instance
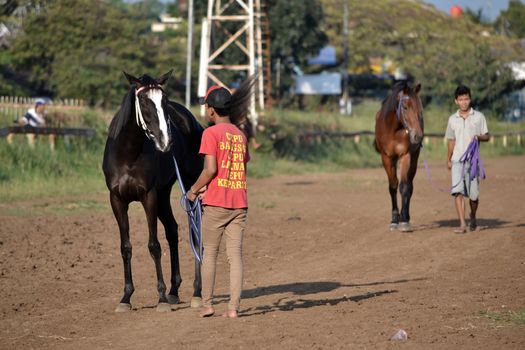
(78, 48)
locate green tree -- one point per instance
(437, 50)
(512, 20)
(296, 29)
(78, 49)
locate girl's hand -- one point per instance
(191, 196)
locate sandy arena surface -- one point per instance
(322, 271)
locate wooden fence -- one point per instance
(320, 136)
(17, 101)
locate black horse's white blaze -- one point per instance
(155, 96)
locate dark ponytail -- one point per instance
(241, 99)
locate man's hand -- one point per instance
(482, 138)
(449, 164)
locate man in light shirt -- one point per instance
(36, 116)
(464, 126)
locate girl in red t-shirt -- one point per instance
(222, 187)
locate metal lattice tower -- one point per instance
(247, 38)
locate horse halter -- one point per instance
(138, 112)
(400, 111)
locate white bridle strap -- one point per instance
(138, 113)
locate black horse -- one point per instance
(145, 136)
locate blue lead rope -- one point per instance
(194, 211)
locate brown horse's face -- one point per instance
(410, 113)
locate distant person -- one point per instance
(35, 116)
(463, 127)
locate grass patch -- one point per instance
(74, 168)
(363, 118)
(515, 317)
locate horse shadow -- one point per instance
(301, 289)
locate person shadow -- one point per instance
(301, 290)
(483, 224)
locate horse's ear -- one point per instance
(131, 79)
(418, 88)
(163, 79)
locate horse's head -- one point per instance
(409, 112)
(150, 108)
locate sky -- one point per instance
(490, 8)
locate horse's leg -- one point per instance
(172, 236)
(196, 300)
(120, 209)
(408, 167)
(149, 202)
(390, 167)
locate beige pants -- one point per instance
(216, 222)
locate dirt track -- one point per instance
(321, 271)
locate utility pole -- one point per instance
(220, 13)
(345, 57)
(189, 56)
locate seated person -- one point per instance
(35, 116)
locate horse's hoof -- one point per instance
(393, 226)
(173, 299)
(405, 227)
(123, 307)
(196, 302)
(163, 307)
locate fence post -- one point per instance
(504, 140)
(52, 138)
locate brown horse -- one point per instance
(398, 136)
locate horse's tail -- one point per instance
(376, 146)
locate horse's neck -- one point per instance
(131, 138)
(391, 121)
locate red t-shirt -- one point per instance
(229, 145)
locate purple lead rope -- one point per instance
(471, 156)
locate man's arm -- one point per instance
(451, 144)
(483, 138)
(484, 135)
(209, 171)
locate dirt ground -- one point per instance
(322, 271)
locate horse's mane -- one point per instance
(122, 116)
(390, 102)
(182, 118)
